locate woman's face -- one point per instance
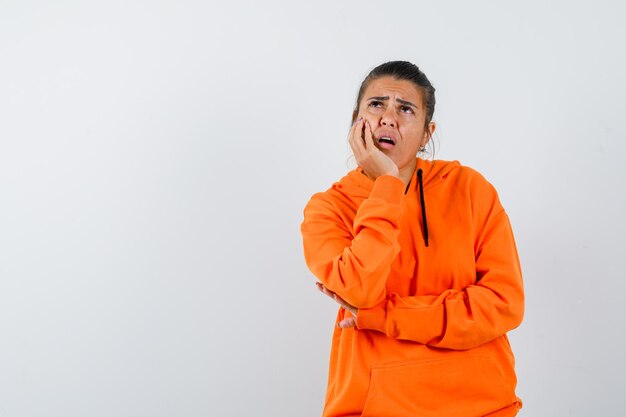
(395, 111)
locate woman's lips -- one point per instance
(386, 143)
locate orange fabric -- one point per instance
(432, 321)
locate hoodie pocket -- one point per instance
(468, 385)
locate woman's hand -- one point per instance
(373, 161)
(347, 322)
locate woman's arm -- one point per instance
(355, 268)
(460, 319)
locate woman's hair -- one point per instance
(401, 70)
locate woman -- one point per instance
(421, 258)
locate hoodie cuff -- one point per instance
(388, 188)
(372, 318)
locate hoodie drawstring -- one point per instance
(423, 204)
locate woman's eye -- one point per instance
(375, 103)
(406, 109)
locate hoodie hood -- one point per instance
(357, 184)
(427, 174)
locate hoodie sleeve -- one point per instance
(355, 266)
(461, 319)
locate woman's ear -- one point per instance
(428, 134)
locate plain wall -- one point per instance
(155, 158)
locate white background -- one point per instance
(155, 158)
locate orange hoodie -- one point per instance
(430, 338)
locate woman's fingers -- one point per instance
(346, 323)
(326, 291)
(337, 298)
(367, 137)
(356, 139)
(340, 301)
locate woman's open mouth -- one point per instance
(385, 142)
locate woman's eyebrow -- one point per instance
(399, 100)
(406, 103)
(379, 98)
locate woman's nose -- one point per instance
(388, 118)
